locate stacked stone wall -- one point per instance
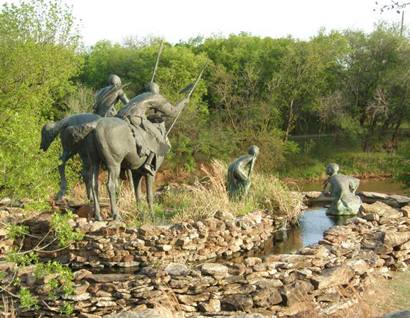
(318, 280)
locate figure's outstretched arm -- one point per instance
(172, 111)
(123, 97)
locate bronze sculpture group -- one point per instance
(131, 139)
(128, 139)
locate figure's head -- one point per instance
(253, 150)
(152, 88)
(332, 168)
(114, 80)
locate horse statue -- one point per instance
(115, 145)
(71, 145)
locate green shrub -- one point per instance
(63, 230)
(27, 300)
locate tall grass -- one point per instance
(203, 199)
(207, 196)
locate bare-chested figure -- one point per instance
(107, 97)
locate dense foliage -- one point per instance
(38, 59)
(350, 85)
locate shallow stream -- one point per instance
(314, 221)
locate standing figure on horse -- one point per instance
(107, 97)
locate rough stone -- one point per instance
(266, 298)
(398, 314)
(396, 238)
(177, 269)
(339, 275)
(218, 271)
(213, 305)
(237, 302)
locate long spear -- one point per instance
(156, 63)
(188, 96)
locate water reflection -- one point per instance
(313, 223)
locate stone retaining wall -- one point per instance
(318, 280)
(112, 244)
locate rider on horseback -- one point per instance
(153, 140)
(107, 97)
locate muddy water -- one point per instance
(313, 223)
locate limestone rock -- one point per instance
(81, 274)
(396, 238)
(218, 271)
(266, 298)
(406, 211)
(339, 275)
(381, 209)
(97, 225)
(221, 215)
(148, 313)
(213, 305)
(177, 269)
(398, 314)
(237, 302)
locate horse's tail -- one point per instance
(50, 131)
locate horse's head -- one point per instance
(47, 136)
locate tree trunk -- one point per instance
(290, 119)
(394, 140)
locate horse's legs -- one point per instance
(94, 190)
(63, 181)
(137, 186)
(86, 173)
(131, 181)
(149, 181)
(112, 183)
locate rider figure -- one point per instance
(136, 113)
(107, 97)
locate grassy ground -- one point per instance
(392, 295)
(203, 198)
(315, 154)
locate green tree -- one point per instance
(307, 73)
(37, 60)
(374, 90)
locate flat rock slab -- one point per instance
(176, 269)
(396, 238)
(340, 275)
(148, 313)
(218, 271)
(380, 209)
(398, 314)
(108, 278)
(237, 302)
(393, 200)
